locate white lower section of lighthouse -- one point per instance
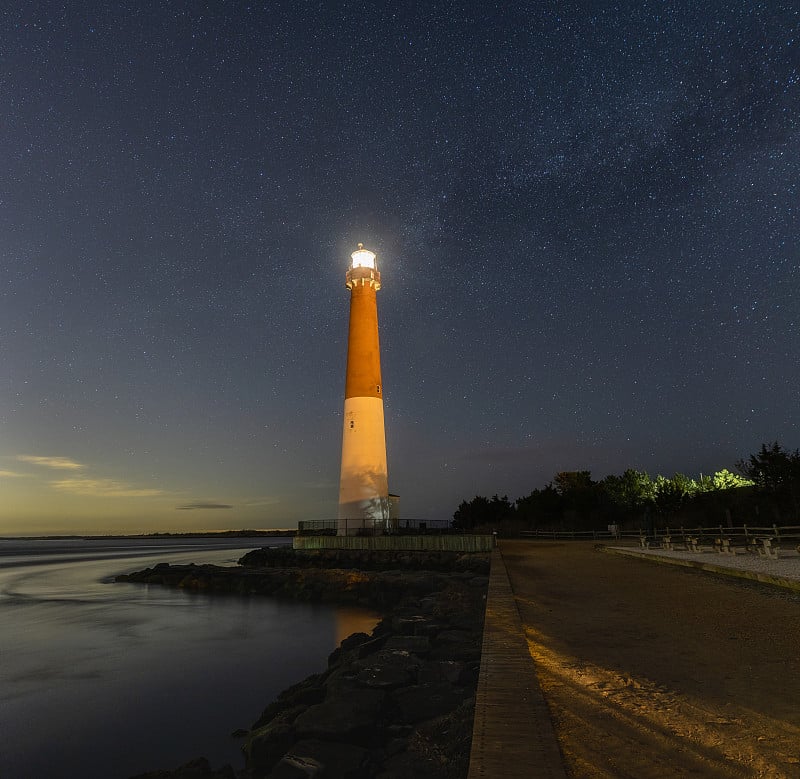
(364, 487)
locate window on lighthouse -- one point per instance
(363, 258)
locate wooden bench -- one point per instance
(667, 543)
(766, 546)
(693, 544)
(647, 541)
(654, 542)
(731, 545)
(670, 543)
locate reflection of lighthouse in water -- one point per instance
(363, 487)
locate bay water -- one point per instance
(106, 680)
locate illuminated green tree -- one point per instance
(630, 492)
(721, 495)
(725, 480)
(671, 495)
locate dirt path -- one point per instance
(653, 671)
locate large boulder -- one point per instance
(305, 693)
(437, 671)
(352, 718)
(266, 745)
(427, 701)
(407, 765)
(456, 645)
(322, 760)
(198, 768)
(386, 670)
(415, 645)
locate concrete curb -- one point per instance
(735, 573)
(513, 736)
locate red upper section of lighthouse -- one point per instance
(363, 348)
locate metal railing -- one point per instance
(374, 527)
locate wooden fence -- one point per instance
(787, 532)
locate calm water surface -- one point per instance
(108, 680)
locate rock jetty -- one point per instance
(390, 705)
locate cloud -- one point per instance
(83, 485)
(12, 474)
(62, 463)
(193, 506)
(262, 502)
(104, 488)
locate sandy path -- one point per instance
(656, 671)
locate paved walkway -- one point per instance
(513, 735)
(650, 671)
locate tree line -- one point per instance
(765, 490)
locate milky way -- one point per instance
(585, 216)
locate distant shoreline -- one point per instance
(283, 533)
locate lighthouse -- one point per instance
(363, 485)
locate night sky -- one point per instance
(585, 214)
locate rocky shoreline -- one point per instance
(393, 704)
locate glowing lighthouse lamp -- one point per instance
(363, 486)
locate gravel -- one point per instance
(787, 566)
